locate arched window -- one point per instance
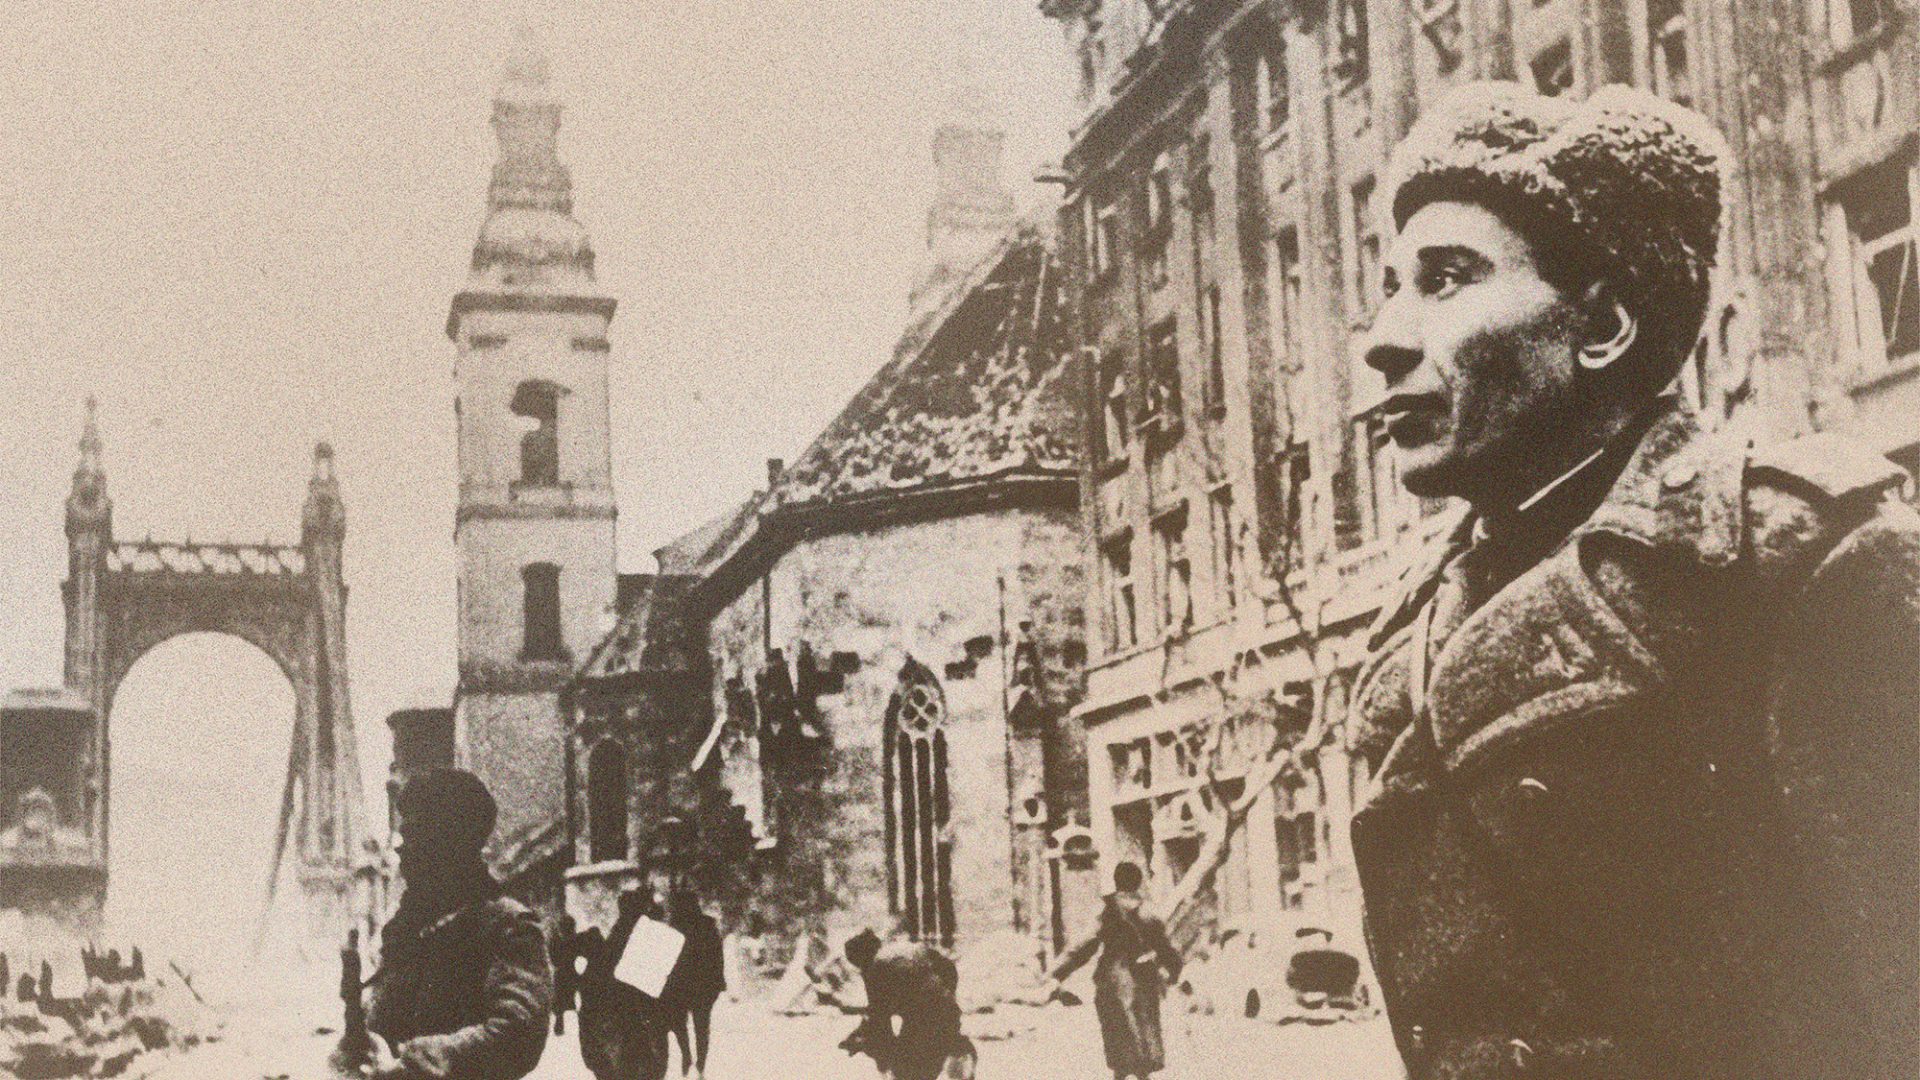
(540, 611)
(539, 402)
(607, 801)
(918, 808)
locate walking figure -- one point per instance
(698, 977)
(1127, 987)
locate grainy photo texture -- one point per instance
(1000, 539)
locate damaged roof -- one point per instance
(975, 389)
(652, 635)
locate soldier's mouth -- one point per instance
(1412, 419)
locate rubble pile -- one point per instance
(119, 1015)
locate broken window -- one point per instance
(1553, 69)
(1226, 548)
(1365, 264)
(1163, 373)
(1350, 65)
(1114, 433)
(607, 801)
(1667, 50)
(1296, 469)
(1881, 276)
(1176, 570)
(538, 401)
(540, 613)
(1121, 608)
(1216, 356)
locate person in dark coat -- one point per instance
(1127, 988)
(918, 985)
(463, 988)
(623, 1030)
(1648, 759)
(697, 980)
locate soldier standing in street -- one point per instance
(463, 991)
(1648, 756)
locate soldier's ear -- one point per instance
(1610, 328)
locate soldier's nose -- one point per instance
(1390, 346)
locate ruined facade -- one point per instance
(845, 703)
(535, 518)
(1222, 234)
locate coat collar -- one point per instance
(1680, 491)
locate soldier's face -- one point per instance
(1477, 350)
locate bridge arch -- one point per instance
(124, 598)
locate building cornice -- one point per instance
(782, 528)
(533, 512)
(469, 301)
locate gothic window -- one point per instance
(540, 613)
(918, 807)
(1667, 50)
(538, 402)
(607, 801)
(1851, 19)
(1880, 274)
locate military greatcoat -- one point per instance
(467, 996)
(1647, 793)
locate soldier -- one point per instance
(1645, 722)
(463, 989)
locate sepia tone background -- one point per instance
(238, 227)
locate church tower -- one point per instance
(534, 524)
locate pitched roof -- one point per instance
(651, 635)
(975, 389)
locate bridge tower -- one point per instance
(534, 525)
(123, 598)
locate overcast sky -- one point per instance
(239, 225)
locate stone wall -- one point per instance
(950, 594)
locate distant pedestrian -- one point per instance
(463, 988)
(623, 1030)
(1127, 987)
(698, 977)
(917, 984)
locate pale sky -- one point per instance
(239, 225)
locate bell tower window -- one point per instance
(538, 402)
(541, 613)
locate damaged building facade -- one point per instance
(1222, 234)
(845, 703)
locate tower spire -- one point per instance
(529, 242)
(88, 505)
(526, 121)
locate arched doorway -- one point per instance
(201, 724)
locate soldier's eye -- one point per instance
(1441, 281)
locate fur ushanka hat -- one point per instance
(1623, 186)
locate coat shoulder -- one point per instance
(1804, 496)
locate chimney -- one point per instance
(972, 209)
(775, 467)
